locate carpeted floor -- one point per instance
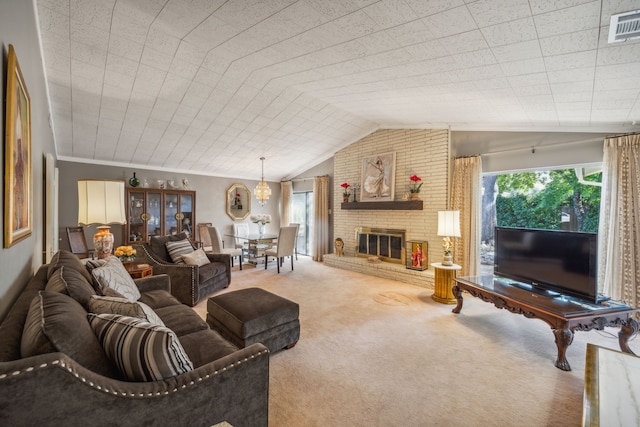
(375, 352)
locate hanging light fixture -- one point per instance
(262, 190)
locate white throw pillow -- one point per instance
(197, 257)
(113, 275)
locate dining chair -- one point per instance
(295, 244)
(203, 235)
(217, 246)
(240, 230)
(286, 243)
(78, 243)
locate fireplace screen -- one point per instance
(387, 244)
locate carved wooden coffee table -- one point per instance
(564, 315)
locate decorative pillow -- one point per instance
(71, 282)
(56, 322)
(67, 259)
(95, 263)
(113, 275)
(113, 305)
(142, 351)
(179, 248)
(197, 257)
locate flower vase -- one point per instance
(261, 228)
(414, 196)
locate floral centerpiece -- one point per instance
(414, 187)
(345, 192)
(261, 220)
(125, 253)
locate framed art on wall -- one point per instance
(18, 183)
(378, 178)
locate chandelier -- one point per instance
(262, 190)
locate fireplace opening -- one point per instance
(387, 244)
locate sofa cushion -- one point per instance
(197, 257)
(73, 283)
(178, 249)
(206, 346)
(57, 322)
(113, 275)
(158, 298)
(67, 259)
(142, 351)
(210, 270)
(112, 305)
(181, 319)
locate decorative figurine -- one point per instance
(339, 246)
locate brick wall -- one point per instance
(423, 152)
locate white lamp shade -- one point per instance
(100, 202)
(449, 223)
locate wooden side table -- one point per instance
(444, 281)
(138, 271)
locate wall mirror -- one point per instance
(238, 201)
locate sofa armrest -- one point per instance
(152, 283)
(234, 388)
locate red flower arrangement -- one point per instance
(346, 186)
(415, 187)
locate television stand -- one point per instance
(564, 315)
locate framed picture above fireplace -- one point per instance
(378, 178)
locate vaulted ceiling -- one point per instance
(210, 86)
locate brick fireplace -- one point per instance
(423, 152)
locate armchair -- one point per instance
(189, 283)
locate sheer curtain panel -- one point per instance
(619, 229)
(467, 198)
(321, 217)
(286, 191)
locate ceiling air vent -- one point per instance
(624, 26)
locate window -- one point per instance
(557, 199)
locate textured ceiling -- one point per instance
(210, 86)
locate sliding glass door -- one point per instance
(303, 215)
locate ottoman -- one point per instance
(252, 315)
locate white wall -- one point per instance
(18, 28)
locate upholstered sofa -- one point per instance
(58, 368)
(189, 283)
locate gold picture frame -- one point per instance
(378, 178)
(18, 181)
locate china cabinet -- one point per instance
(156, 212)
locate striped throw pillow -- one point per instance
(178, 248)
(142, 351)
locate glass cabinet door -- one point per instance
(186, 214)
(136, 216)
(171, 213)
(153, 215)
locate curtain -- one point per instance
(321, 217)
(286, 192)
(619, 228)
(467, 198)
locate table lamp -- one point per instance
(448, 227)
(101, 202)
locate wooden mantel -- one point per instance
(409, 205)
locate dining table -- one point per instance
(256, 245)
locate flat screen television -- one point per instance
(549, 260)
